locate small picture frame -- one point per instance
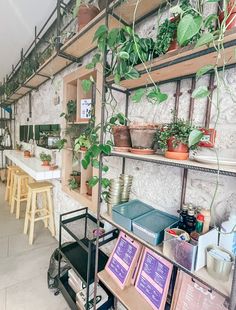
(85, 108)
(208, 140)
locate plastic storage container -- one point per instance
(126, 213)
(228, 237)
(150, 227)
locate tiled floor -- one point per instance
(23, 268)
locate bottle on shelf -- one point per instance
(190, 221)
(199, 223)
(183, 214)
(207, 219)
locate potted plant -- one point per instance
(18, 146)
(77, 176)
(166, 36)
(230, 14)
(120, 131)
(89, 189)
(45, 158)
(85, 11)
(26, 153)
(82, 143)
(71, 110)
(177, 138)
(72, 183)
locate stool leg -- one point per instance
(27, 212)
(45, 209)
(11, 186)
(13, 195)
(18, 199)
(51, 217)
(8, 185)
(32, 217)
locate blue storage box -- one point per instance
(150, 227)
(125, 213)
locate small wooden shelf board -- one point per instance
(129, 297)
(181, 62)
(223, 288)
(189, 164)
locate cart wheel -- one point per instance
(57, 293)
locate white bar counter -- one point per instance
(32, 166)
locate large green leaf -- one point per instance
(204, 70)
(93, 181)
(100, 32)
(86, 85)
(206, 38)
(194, 137)
(157, 96)
(188, 27)
(123, 55)
(200, 92)
(131, 74)
(138, 94)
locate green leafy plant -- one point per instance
(61, 143)
(45, 157)
(73, 184)
(80, 142)
(71, 111)
(165, 35)
(182, 131)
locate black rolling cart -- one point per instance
(80, 253)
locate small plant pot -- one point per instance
(89, 189)
(178, 147)
(45, 163)
(142, 136)
(83, 148)
(176, 155)
(121, 136)
(231, 20)
(173, 46)
(26, 153)
(77, 178)
(85, 14)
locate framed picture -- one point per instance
(85, 108)
(208, 140)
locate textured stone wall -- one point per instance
(160, 186)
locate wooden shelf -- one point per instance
(129, 296)
(53, 65)
(125, 9)
(78, 123)
(189, 164)
(223, 288)
(35, 80)
(82, 198)
(182, 62)
(82, 43)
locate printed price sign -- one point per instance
(85, 108)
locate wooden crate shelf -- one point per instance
(125, 9)
(53, 65)
(129, 296)
(82, 43)
(223, 288)
(182, 62)
(35, 80)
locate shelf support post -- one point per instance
(232, 305)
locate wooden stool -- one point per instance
(45, 213)
(9, 186)
(20, 190)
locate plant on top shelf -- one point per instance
(82, 143)
(177, 138)
(85, 10)
(45, 158)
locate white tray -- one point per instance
(213, 160)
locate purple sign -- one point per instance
(118, 269)
(126, 251)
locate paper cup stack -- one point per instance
(119, 191)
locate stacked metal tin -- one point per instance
(119, 191)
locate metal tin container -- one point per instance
(218, 268)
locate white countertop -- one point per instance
(33, 166)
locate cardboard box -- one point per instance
(192, 257)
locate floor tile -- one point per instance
(34, 294)
(3, 299)
(25, 266)
(3, 247)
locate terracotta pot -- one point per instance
(89, 189)
(142, 136)
(173, 45)
(46, 163)
(83, 148)
(85, 14)
(77, 178)
(27, 153)
(231, 20)
(176, 155)
(121, 136)
(179, 148)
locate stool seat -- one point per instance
(34, 213)
(40, 186)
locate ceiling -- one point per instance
(17, 21)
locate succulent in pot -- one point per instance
(85, 11)
(142, 138)
(82, 143)
(120, 131)
(45, 158)
(177, 138)
(77, 176)
(72, 183)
